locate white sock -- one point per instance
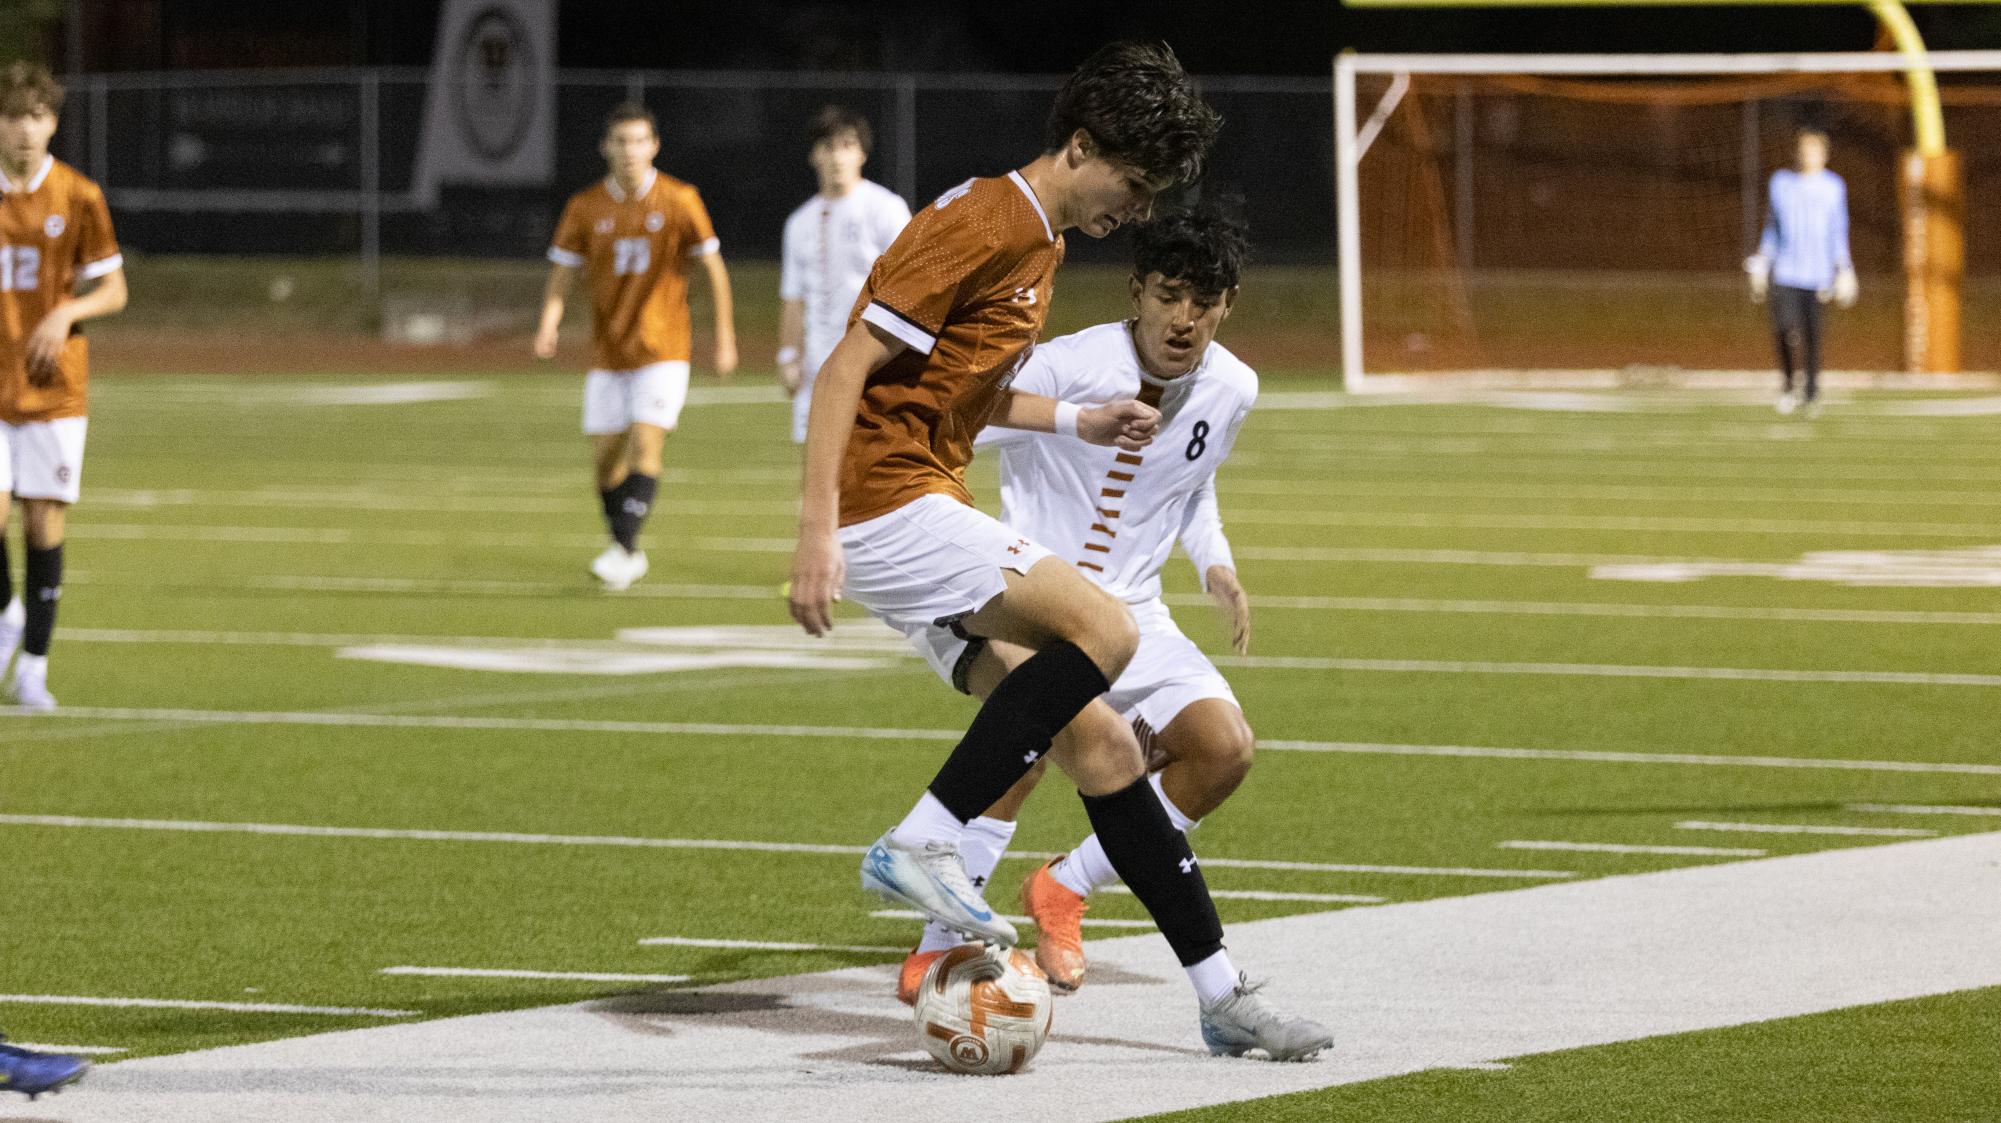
(929, 821)
(31, 666)
(1180, 818)
(980, 850)
(15, 615)
(1214, 978)
(1084, 868)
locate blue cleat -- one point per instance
(933, 881)
(32, 1073)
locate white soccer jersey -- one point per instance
(830, 245)
(1116, 515)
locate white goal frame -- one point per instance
(1351, 143)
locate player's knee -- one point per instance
(1107, 753)
(1232, 752)
(1113, 637)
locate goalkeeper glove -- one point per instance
(1758, 268)
(1844, 290)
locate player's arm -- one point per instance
(1209, 548)
(791, 338)
(102, 296)
(1758, 267)
(1845, 288)
(555, 292)
(817, 567)
(719, 293)
(1128, 424)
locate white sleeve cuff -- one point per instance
(705, 248)
(103, 267)
(564, 257)
(889, 320)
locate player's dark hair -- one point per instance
(631, 111)
(1206, 245)
(28, 86)
(833, 120)
(1140, 108)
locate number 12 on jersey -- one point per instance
(20, 268)
(631, 256)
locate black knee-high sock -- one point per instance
(6, 573)
(1154, 861)
(612, 498)
(1786, 361)
(635, 502)
(1022, 716)
(42, 589)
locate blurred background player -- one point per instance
(32, 1073)
(1116, 516)
(949, 314)
(830, 243)
(59, 266)
(635, 233)
(1802, 262)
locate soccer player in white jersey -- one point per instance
(1117, 519)
(831, 242)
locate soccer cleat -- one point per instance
(1812, 408)
(933, 881)
(911, 978)
(30, 688)
(618, 569)
(1244, 1020)
(32, 1073)
(12, 622)
(1787, 403)
(1058, 913)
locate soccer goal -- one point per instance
(1586, 218)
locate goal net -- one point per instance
(1592, 214)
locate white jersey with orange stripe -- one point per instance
(1117, 515)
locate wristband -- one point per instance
(1066, 419)
(788, 355)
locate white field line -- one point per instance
(771, 945)
(1603, 670)
(186, 1004)
(1630, 848)
(1598, 609)
(1921, 809)
(1586, 469)
(853, 733)
(78, 1050)
(352, 500)
(1232, 485)
(297, 830)
(508, 973)
(347, 536)
(1088, 922)
(1648, 524)
(1804, 828)
(1272, 895)
(1397, 555)
(323, 584)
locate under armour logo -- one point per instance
(979, 882)
(637, 507)
(1029, 758)
(1024, 296)
(1014, 549)
(1188, 864)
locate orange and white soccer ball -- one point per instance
(983, 1010)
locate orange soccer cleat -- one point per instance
(911, 978)
(1059, 914)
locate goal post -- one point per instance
(1423, 140)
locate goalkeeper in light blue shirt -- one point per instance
(1802, 263)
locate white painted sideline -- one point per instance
(297, 830)
(1629, 848)
(865, 734)
(1806, 828)
(512, 973)
(1921, 809)
(1450, 983)
(79, 1050)
(191, 1004)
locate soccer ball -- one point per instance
(983, 1010)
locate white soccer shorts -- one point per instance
(43, 459)
(931, 561)
(1167, 674)
(616, 400)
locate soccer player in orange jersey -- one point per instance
(946, 319)
(635, 235)
(59, 266)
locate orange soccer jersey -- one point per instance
(635, 252)
(966, 288)
(54, 231)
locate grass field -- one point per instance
(224, 813)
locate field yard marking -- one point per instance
(1921, 809)
(1410, 987)
(306, 831)
(509, 973)
(189, 1004)
(348, 536)
(1804, 828)
(1625, 523)
(353, 500)
(1270, 895)
(770, 945)
(856, 733)
(319, 584)
(1266, 602)
(1393, 555)
(1088, 922)
(79, 1050)
(1630, 848)
(1968, 567)
(1619, 493)
(1603, 670)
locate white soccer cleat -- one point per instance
(1243, 1020)
(12, 622)
(617, 569)
(933, 881)
(30, 687)
(1787, 403)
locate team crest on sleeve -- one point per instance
(654, 221)
(54, 225)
